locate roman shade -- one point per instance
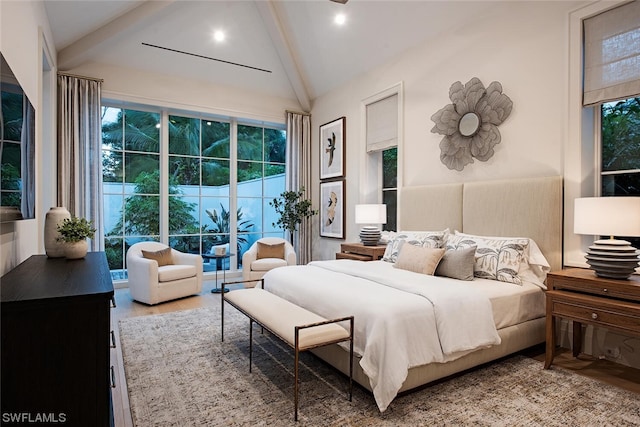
(612, 54)
(382, 124)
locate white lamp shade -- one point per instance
(371, 214)
(607, 216)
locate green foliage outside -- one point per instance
(621, 135)
(10, 148)
(141, 210)
(222, 227)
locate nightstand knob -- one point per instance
(605, 290)
(594, 316)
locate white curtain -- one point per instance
(80, 151)
(612, 54)
(298, 175)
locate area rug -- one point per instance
(179, 374)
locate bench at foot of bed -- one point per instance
(301, 329)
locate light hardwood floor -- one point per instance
(603, 370)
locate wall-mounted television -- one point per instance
(17, 149)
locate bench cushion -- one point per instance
(282, 316)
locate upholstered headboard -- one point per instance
(510, 208)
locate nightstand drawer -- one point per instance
(585, 281)
(596, 311)
(593, 288)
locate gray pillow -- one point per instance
(457, 264)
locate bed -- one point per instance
(411, 328)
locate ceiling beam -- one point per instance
(279, 36)
(78, 52)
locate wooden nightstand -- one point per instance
(578, 294)
(360, 252)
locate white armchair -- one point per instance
(153, 284)
(255, 264)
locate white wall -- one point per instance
(521, 45)
(24, 30)
(167, 91)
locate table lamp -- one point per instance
(609, 216)
(370, 214)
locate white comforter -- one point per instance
(402, 319)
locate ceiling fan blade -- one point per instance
(340, 1)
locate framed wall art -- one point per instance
(332, 141)
(332, 209)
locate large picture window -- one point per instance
(195, 166)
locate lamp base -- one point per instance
(613, 259)
(370, 236)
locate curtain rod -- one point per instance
(297, 112)
(62, 73)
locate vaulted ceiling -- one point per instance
(291, 49)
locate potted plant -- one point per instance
(74, 232)
(292, 209)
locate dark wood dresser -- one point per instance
(55, 341)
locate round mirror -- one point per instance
(469, 124)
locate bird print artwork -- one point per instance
(332, 147)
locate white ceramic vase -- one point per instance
(55, 216)
(76, 250)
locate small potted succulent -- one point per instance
(74, 232)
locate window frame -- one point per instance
(371, 175)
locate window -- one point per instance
(131, 181)
(199, 191)
(261, 178)
(382, 114)
(620, 158)
(390, 187)
(196, 168)
(10, 194)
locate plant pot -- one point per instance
(76, 250)
(54, 216)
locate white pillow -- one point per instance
(430, 239)
(535, 266)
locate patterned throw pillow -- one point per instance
(495, 259)
(429, 239)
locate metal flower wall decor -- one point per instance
(470, 124)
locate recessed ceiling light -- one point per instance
(340, 19)
(219, 35)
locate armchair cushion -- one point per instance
(169, 273)
(266, 264)
(270, 250)
(162, 257)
